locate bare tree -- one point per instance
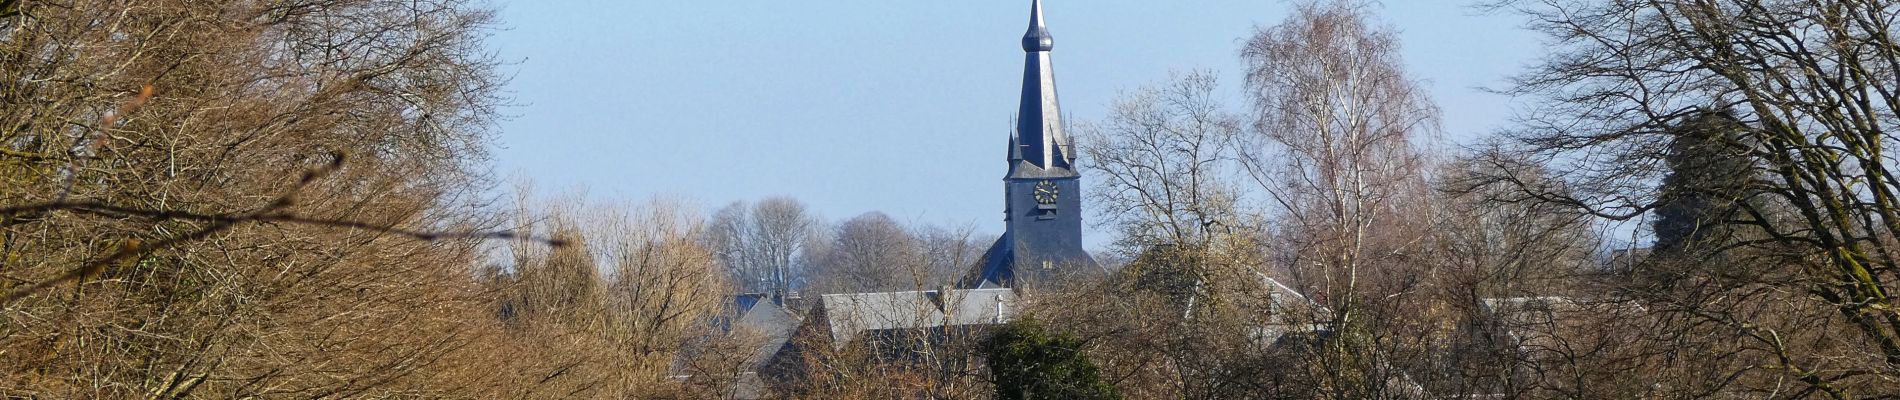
(609, 315)
(1339, 126)
(1495, 241)
(762, 243)
(872, 253)
(949, 252)
(1181, 319)
(1809, 86)
(221, 199)
(1513, 273)
(729, 234)
(1166, 158)
(782, 226)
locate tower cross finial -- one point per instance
(1038, 38)
(1039, 140)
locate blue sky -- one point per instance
(895, 106)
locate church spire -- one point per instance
(1038, 38)
(1042, 202)
(1039, 139)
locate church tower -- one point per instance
(1042, 192)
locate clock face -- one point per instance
(1046, 192)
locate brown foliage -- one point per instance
(180, 221)
(156, 156)
(609, 316)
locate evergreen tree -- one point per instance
(1028, 362)
(1709, 171)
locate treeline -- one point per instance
(776, 246)
(285, 199)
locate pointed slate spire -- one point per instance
(1038, 38)
(1015, 149)
(1040, 140)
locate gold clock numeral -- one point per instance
(1046, 192)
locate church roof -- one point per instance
(1039, 146)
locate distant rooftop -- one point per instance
(851, 315)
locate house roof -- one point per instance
(1544, 326)
(848, 316)
(774, 326)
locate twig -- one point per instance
(107, 210)
(96, 266)
(272, 212)
(92, 139)
(22, 154)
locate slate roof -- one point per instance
(769, 326)
(850, 316)
(994, 267)
(1040, 147)
(774, 325)
(1538, 326)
